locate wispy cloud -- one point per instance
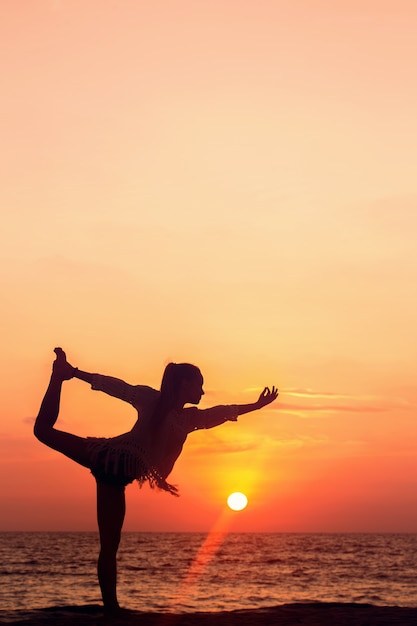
(270, 446)
(310, 393)
(214, 444)
(332, 408)
(306, 402)
(19, 449)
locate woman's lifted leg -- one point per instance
(71, 445)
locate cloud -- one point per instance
(273, 447)
(310, 393)
(20, 449)
(216, 445)
(307, 401)
(331, 408)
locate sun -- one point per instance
(237, 501)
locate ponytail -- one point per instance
(172, 378)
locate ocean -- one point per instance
(187, 572)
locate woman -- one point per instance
(147, 453)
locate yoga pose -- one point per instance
(147, 453)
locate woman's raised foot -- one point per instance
(61, 368)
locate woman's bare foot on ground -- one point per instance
(61, 368)
(118, 613)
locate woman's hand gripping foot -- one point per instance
(61, 368)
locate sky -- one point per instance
(230, 184)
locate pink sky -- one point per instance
(232, 184)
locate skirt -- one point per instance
(118, 464)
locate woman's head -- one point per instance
(182, 383)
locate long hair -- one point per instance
(174, 374)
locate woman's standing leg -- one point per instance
(111, 507)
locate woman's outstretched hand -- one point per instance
(61, 368)
(267, 396)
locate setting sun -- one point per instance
(237, 501)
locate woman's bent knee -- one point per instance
(72, 446)
(41, 433)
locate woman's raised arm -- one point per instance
(267, 396)
(217, 415)
(115, 387)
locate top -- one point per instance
(158, 453)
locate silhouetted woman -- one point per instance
(147, 453)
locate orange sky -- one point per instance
(231, 184)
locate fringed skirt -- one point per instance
(117, 464)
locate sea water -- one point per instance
(184, 572)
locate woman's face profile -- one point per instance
(193, 388)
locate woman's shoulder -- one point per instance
(145, 389)
(144, 395)
(188, 418)
(188, 411)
